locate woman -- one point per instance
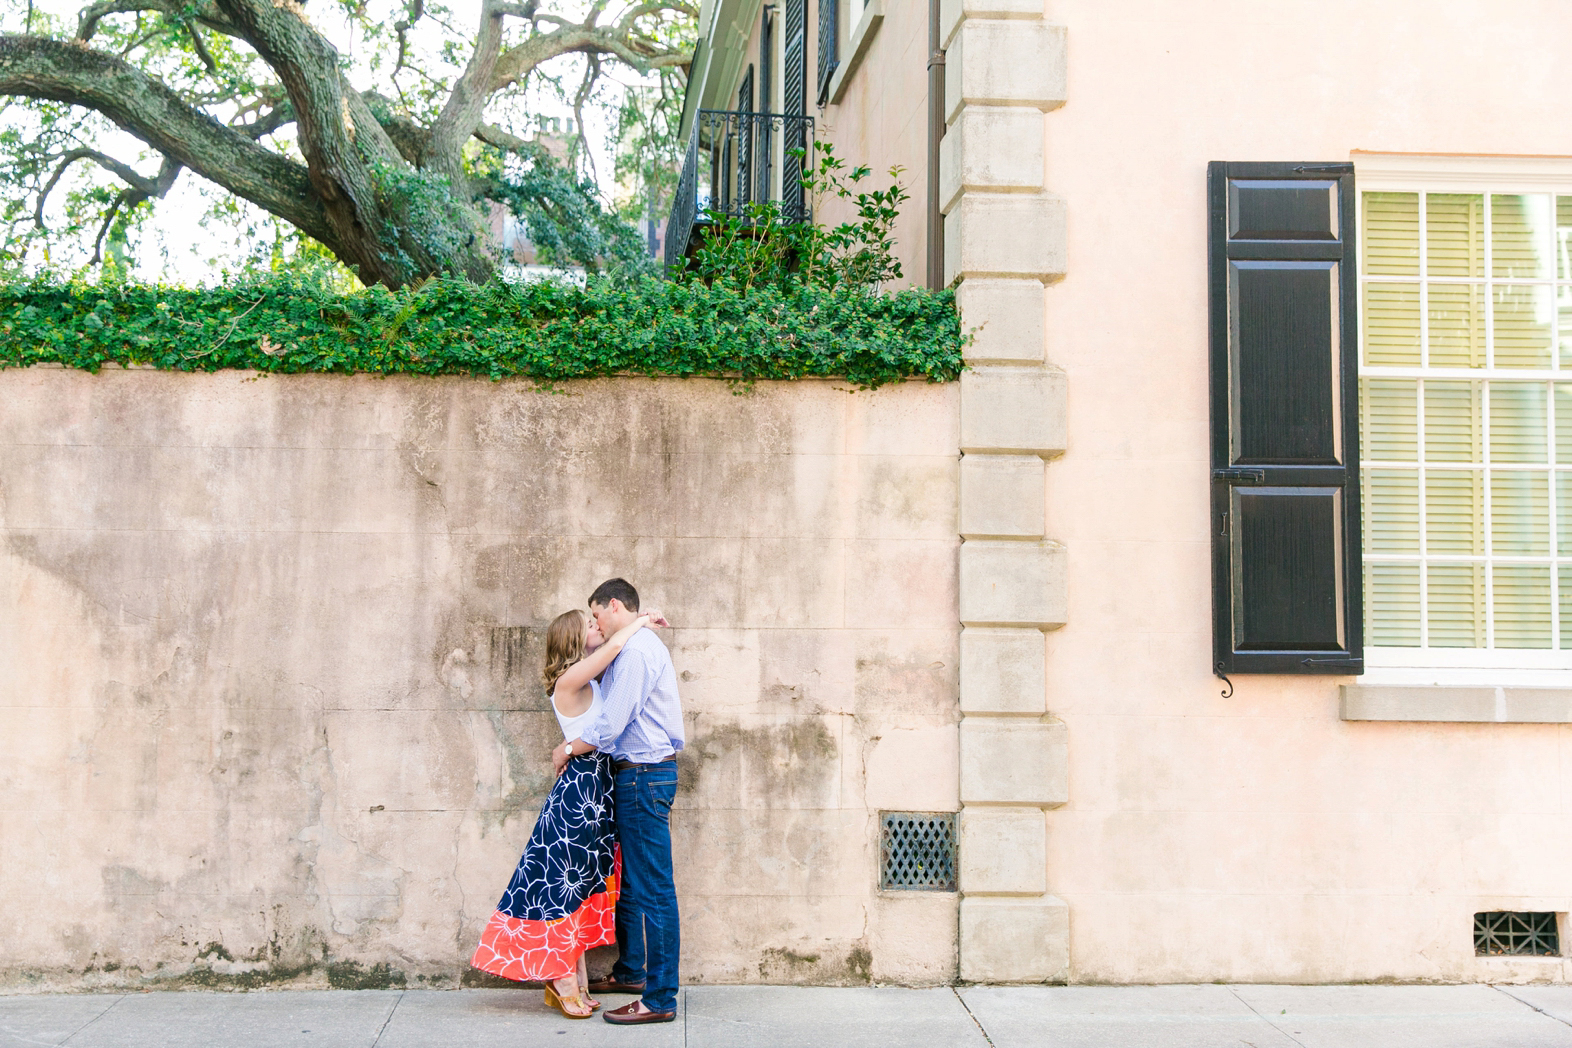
(563, 896)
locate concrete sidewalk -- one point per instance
(746, 1016)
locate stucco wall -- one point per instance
(1257, 838)
(269, 709)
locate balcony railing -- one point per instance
(736, 159)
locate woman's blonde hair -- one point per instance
(564, 645)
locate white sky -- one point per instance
(174, 246)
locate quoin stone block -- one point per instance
(1005, 235)
(1013, 409)
(1017, 63)
(1002, 495)
(1005, 319)
(1012, 760)
(952, 11)
(1003, 851)
(1007, 940)
(1003, 671)
(991, 148)
(1007, 583)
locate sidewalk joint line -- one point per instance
(1265, 1018)
(972, 1015)
(389, 1019)
(1530, 1004)
(93, 1020)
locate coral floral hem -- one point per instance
(536, 951)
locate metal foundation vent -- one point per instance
(917, 851)
(1502, 933)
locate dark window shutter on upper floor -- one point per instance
(1286, 582)
(829, 46)
(794, 102)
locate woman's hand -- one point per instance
(657, 620)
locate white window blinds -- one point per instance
(1466, 419)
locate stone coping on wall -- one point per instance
(1459, 704)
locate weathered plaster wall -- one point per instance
(269, 708)
(1257, 838)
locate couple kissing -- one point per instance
(597, 867)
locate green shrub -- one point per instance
(547, 331)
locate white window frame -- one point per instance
(1453, 173)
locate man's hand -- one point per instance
(559, 761)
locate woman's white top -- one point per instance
(573, 727)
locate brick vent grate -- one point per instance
(1512, 933)
(917, 851)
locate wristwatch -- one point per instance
(567, 749)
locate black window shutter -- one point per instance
(795, 103)
(1287, 593)
(829, 46)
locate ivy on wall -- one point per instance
(546, 331)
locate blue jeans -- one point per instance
(648, 940)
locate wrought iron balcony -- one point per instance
(735, 159)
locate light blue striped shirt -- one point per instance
(641, 716)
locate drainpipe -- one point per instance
(935, 132)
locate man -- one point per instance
(640, 725)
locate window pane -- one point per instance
(1392, 233)
(1457, 605)
(1392, 324)
(1517, 422)
(1522, 325)
(1564, 322)
(1565, 584)
(1391, 511)
(1564, 237)
(1392, 605)
(1457, 325)
(1389, 419)
(1563, 424)
(1520, 235)
(1520, 513)
(1564, 514)
(1455, 228)
(1522, 605)
(1452, 421)
(1454, 511)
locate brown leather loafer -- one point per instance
(635, 1014)
(613, 986)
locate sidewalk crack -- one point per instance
(93, 1020)
(389, 1019)
(1530, 1004)
(972, 1016)
(1265, 1018)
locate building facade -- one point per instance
(1262, 671)
(1214, 625)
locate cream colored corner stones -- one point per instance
(991, 148)
(1003, 671)
(1013, 584)
(952, 11)
(1003, 851)
(1005, 318)
(1002, 496)
(1013, 409)
(1005, 235)
(1007, 940)
(1012, 760)
(1004, 62)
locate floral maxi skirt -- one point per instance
(563, 896)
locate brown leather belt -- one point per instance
(625, 765)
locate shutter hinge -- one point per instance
(1240, 476)
(1338, 661)
(1347, 169)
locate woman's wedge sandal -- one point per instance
(557, 1001)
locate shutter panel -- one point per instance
(1287, 587)
(795, 103)
(829, 46)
